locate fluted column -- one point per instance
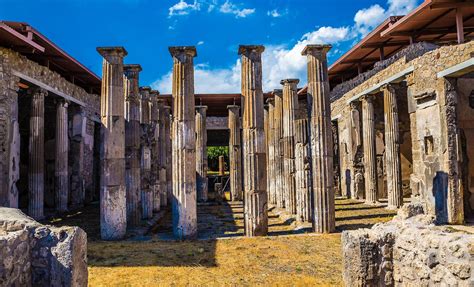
(235, 153)
(184, 144)
(321, 138)
(279, 161)
(368, 135)
(61, 159)
(77, 188)
(36, 156)
(145, 159)
(168, 153)
(201, 153)
(290, 107)
(271, 162)
(392, 147)
(303, 171)
(162, 157)
(255, 193)
(156, 174)
(113, 209)
(132, 143)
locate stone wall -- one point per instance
(10, 62)
(38, 255)
(408, 251)
(432, 117)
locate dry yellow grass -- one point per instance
(296, 260)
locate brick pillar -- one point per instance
(290, 108)
(255, 173)
(271, 162)
(278, 143)
(113, 215)
(36, 157)
(368, 134)
(321, 139)
(132, 144)
(184, 144)
(201, 153)
(61, 160)
(392, 147)
(145, 154)
(235, 154)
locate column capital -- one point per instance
(249, 49)
(112, 54)
(145, 89)
(176, 51)
(316, 50)
(200, 108)
(37, 91)
(353, 105)
(62, 101)
(233, 107)
(289, 81)
(367, 98)
(270, 101)
(389, 86)
(278, 93)
(132, 70)
(154, 93)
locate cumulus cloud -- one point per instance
(230, 8)
(276, 14)
(285, 61)
(183, 8)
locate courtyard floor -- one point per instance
(290, 255)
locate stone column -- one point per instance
(392, 147)
(321, 139)
(201, 153)
(255, 173)
(113, 209)
(62, 151)
(221, 165)
(36, 157)
(184, 144)
(155, 151)
(162, 150)
(145, 159)
(303, 171)
(370, 161)
(168, 152)
(132, 144)
(278, 143)
(290, 108)
(271, 162)
(78, 130)
(235, 153)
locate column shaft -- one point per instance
(113, 210)
(271, 162)
(36, 158)
(303, 171)
(132, 144)
(184, 203)
(392, 148)
(290, 108)
(147, 196)
(201, 154)
(61, 160)
(279, 161)
(77, 192)
(368, 134)
(168, 150)
(162, 146)
(255, 194)
(235, 154)
(321, 139)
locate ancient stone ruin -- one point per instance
(392, 129)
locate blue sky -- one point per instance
(146, 28)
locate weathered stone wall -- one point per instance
(432, 124)
(392, 254)
(11, 61)
(37, 255)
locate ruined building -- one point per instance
(391, 119)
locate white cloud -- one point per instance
(276, 14)
(183, 8)
(285, 61)
(200, 43)
(230, 8)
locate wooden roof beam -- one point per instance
(449, 5)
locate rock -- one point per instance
(34, 254)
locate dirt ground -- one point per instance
(290, 255)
